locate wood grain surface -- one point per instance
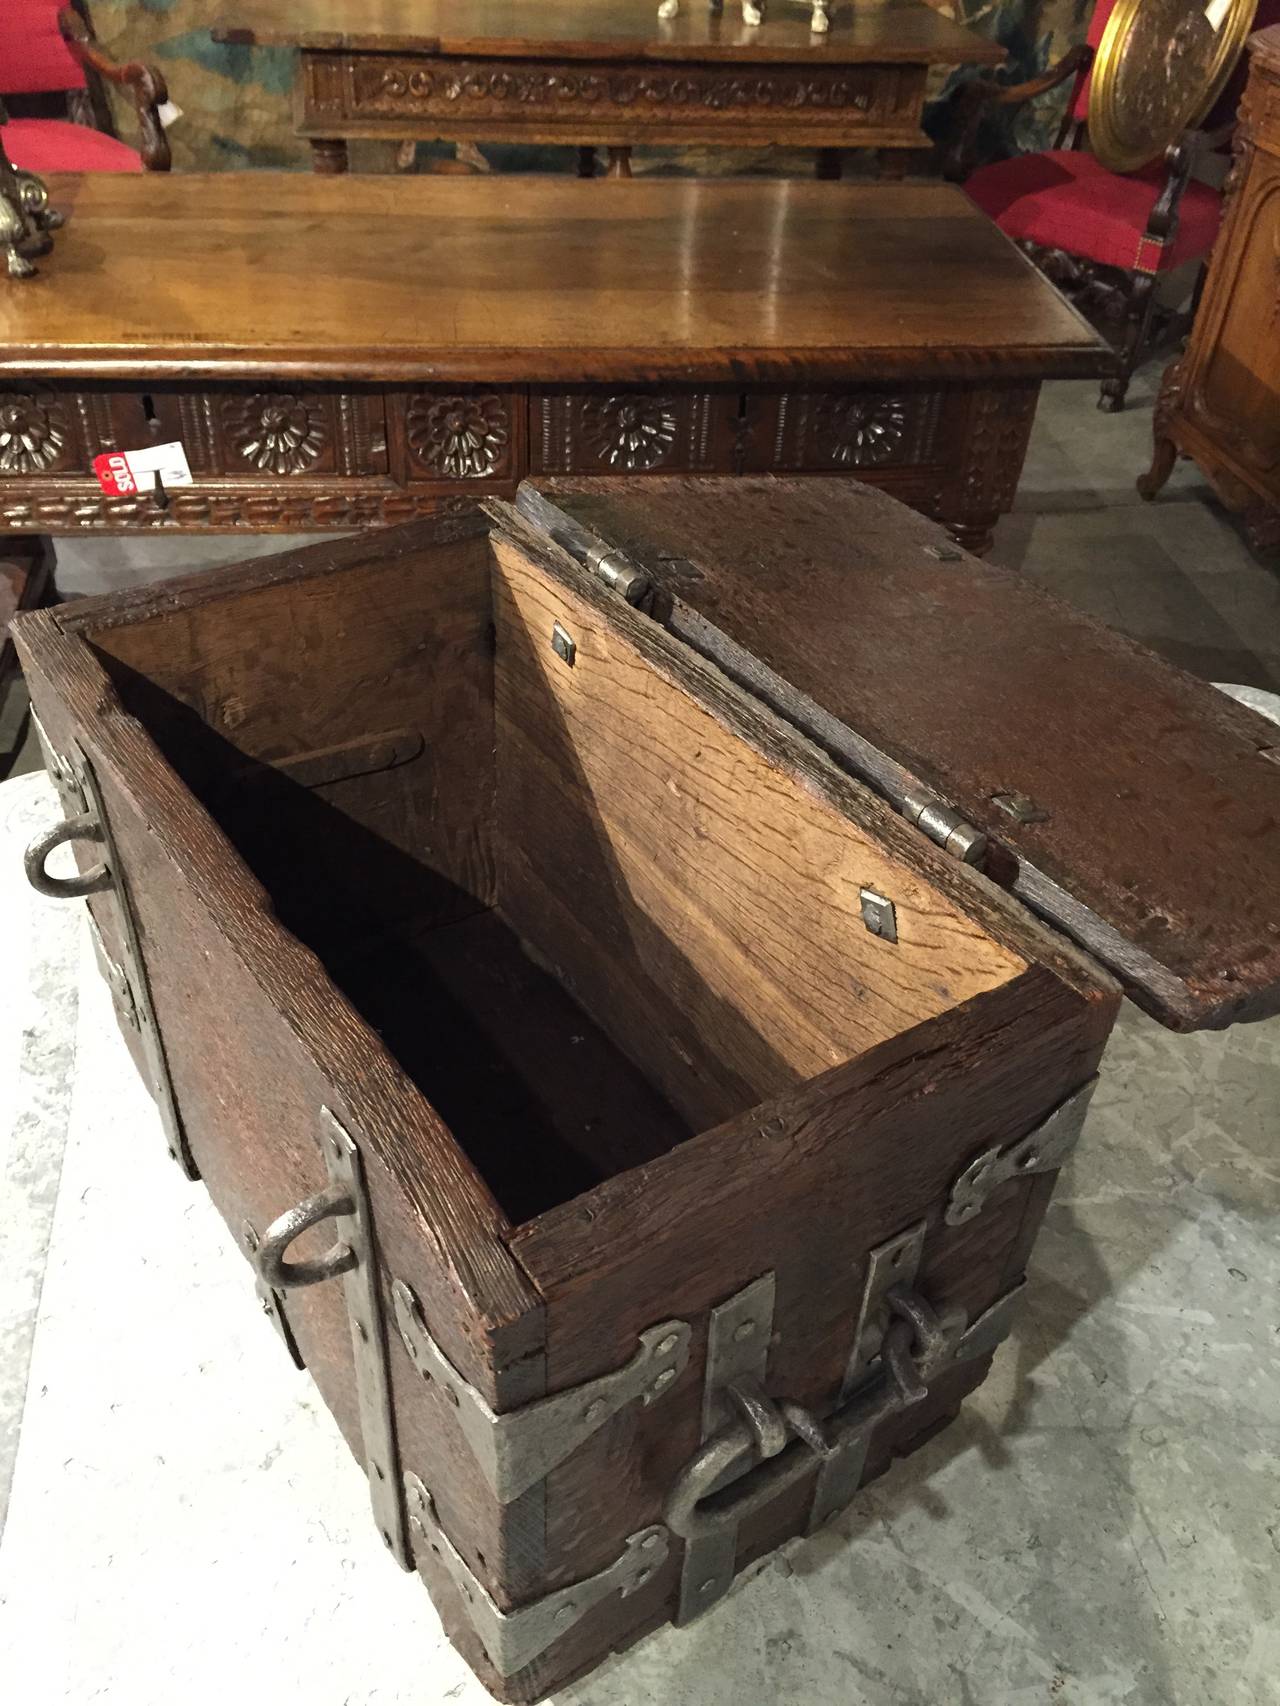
(1159, 845)
(286, 276)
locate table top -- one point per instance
(522, 279)
(908, 31)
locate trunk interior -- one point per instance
(588, 916)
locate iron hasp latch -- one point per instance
(1042, 1151)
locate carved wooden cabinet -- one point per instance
(1221, 402)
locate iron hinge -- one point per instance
(513, 1639)
(81, 799)
(941, 823)
(1042, 1151)
(516, 1449)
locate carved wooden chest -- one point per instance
(629, 967)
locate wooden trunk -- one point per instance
(665, 1118)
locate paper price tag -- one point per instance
(123, 472)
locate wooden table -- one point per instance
(342, 352)
(609, 73)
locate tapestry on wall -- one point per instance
(237, 108)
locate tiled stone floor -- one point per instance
(1100, 1528)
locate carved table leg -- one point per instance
(1165, 450)
(828, 163)
(586, 162)
(976, 536)
(991, 448)
(619, 163)
(328, 156)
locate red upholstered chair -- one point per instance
(1105, 237)
(51, 79)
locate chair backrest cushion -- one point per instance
(34, 59)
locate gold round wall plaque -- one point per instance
(1159, 68)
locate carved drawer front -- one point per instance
(280, 435)
(44, 432)
(234, 434)
(637, 431)
(457, 437)
(469, 90)
(859, 431)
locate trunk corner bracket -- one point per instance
(513, 1639)
(517, 1449)
(1042, 1151)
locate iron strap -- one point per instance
(81, 798)
(1042, 1151)
(517, 1449)
(353, 1259)
(514, 1638)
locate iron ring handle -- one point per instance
(83, 828)
(269, 1258)
(731, 1449)
(728, 1450)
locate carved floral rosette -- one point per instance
(860, 431)
(276, 432)
(630, 431)
(465, 436)
(33, 433)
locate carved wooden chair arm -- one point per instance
(144, 85)
(1179, 157)
(974, 97)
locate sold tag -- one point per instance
(123, 472)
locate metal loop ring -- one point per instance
(755, 1444)
(898, 1359)
(339, 1258)
(83, 828)
(765, 1421)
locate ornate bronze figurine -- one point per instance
(26, 219)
